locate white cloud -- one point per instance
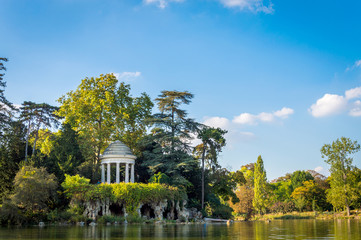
(329, 104)
(333, 104)
(251, 119)
(161, 3)
(266, 117)
(353, 93)
(251, 5)
(217, 122)
(284, 112)
(357, 64)
(245, 118)
(356, 109)
(127, 76)
(318, 169)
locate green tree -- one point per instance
(170, 138)
(37, 115)
(33, 189)
(300, 202)
(260, 187)
(245, 193)
(312, 194)
(212, 142)
(60, 152)
(343, 189)
(12, 149)
(224, 183)
(298, 177)
(6, 108)
(102, 110)
(173, 118)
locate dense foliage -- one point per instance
(43, 163)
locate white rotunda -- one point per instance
(118, 153)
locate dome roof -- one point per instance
(117, 148)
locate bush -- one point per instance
(110, 219)
(56, 216)
(11, 214)
(134, 218)
(222, 211)
(33, 188)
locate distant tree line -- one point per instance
(303, 190)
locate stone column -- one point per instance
(126, 173)
(117, 173)
(132, 174)
(108, 173)
(103, 173)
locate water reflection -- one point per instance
(287, 229)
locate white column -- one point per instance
(117, 173)
(108, 173)
(132, 174)
(103, 173)
(126, 173)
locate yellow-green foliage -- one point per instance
(129, 194)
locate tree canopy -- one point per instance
(344, 187)
(102, 110)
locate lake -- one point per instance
(277, 229)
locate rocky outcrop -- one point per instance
(95, 208)
(183, 213)
(171, 210)
(159, 209)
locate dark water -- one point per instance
(278, 229)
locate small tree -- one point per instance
(260, 187)
(300, 202)
(33, 188)
(344, 189)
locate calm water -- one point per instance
(278, 229)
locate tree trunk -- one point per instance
(203, 153)
(27, 142)
(37, 130)
(36, 138)
(173, 132)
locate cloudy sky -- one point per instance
(283, 77)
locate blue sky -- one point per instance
(283, 77)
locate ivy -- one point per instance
(129, 194)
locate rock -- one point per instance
(92, 224)
(159, 208)
(80, 223)
(183, 213)
(195, 214)
(108, 223)
(41, 224)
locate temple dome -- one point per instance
(117, 153)
(117, 148)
